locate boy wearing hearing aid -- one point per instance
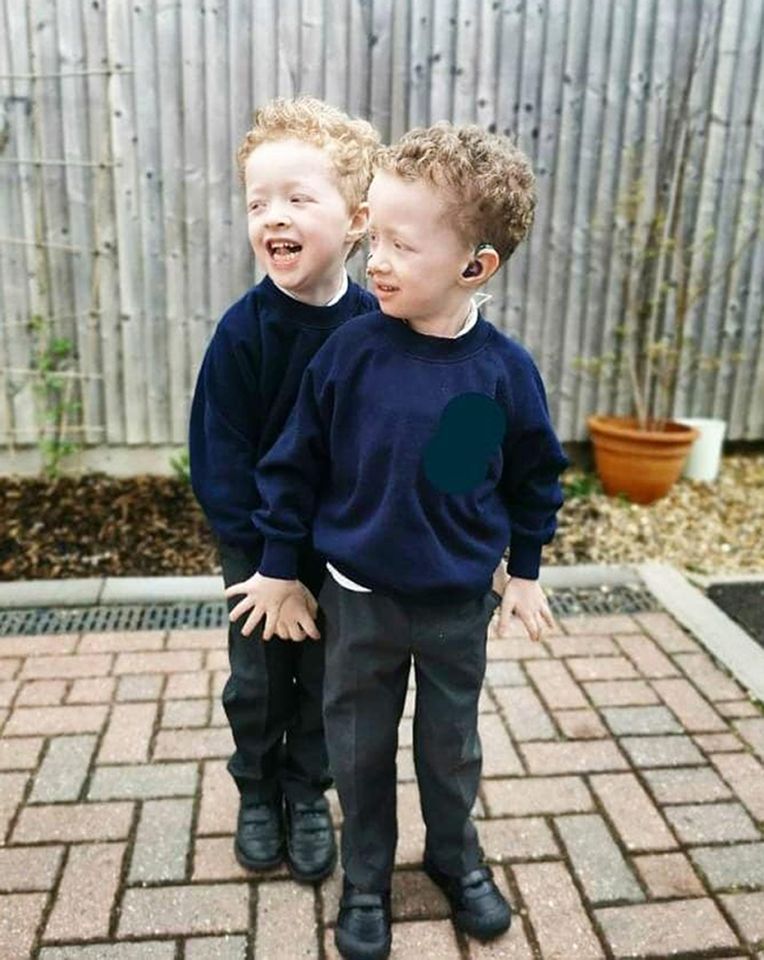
(419, 447)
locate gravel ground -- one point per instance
(96, 525)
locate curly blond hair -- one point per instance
(351, 144)
(488, 182)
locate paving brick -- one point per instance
(218, 716)
(214, 860)
(523, 796)
(41, 693)
(692, 710)
(499, 755)
(185, 910)
(181, 686)
(185, 713)
(668, 875)
(505, 673)
(558, 917)
(663, 929)
(50, 721)
(599, 865)
(640, 720)
(747, 911)
(745, 774)
(712, 682)
(219, 680)
(686, 785)
(601, 668)
(121, 642)
(593, 645)
(9, 668)
(599, 624)
(174, 661)
(646, 656)
(220, 801)
(752, 732)
(69, 824)
(193, 744)
(87, 892)
(162, 841)
(12, 787)
(286, 921)
(21, 913)
(94, 665)
(632, 812)
(580, 724)
(404, 763)
(740, 865)
(216, 948)
(143, 781)
(665, 631)
(37, 645)
(517, 838)
(718, 742)
(128, 735)
(29, 868)
(712, 822)
(92, 690)
(555, 684)
(145, 950)
(515, 648)
(427, 938)
(525, 714)
(216, 660)
(64, 769)
(20, 753)
(8, 690)
(411, 831)
(619, 693)
(737, 708)
(513, 945)
(215, 639)
(662, 751)
(133, 688)
(415, 897)
(582, 757)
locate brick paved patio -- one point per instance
(622, 803)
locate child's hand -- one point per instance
(297, 616)
(500, 578)
(525, 599)
(264, 596)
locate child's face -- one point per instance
(298, 220)
(417, 257)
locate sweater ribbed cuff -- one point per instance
(524, 558)
(279, 560)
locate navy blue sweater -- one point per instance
(415, 460)
(246, 389)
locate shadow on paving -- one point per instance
(744, 603)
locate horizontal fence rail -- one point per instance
(123, 234)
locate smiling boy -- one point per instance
(306, 167)
(420, 445)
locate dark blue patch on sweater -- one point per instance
(471, 428)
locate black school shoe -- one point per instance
(259, 841)
(311, 847)
(477, 905)
(363, 930)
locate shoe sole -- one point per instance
(462, 922)
(257, 866)
(310, 878)
(355, 951)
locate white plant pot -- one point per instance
(705, 454)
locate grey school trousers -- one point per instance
(370, 641)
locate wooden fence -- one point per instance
(122, 229)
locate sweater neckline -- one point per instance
(306, 314)
(439, 349)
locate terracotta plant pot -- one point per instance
(641, 464)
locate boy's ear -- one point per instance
(359, 223)
(483, 265)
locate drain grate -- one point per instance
(180, 616)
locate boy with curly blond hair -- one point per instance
(306, 167)
(420, 445)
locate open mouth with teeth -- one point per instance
(283, 251)
(384, 287)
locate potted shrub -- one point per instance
(642, 455)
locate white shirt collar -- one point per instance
(335, 299)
